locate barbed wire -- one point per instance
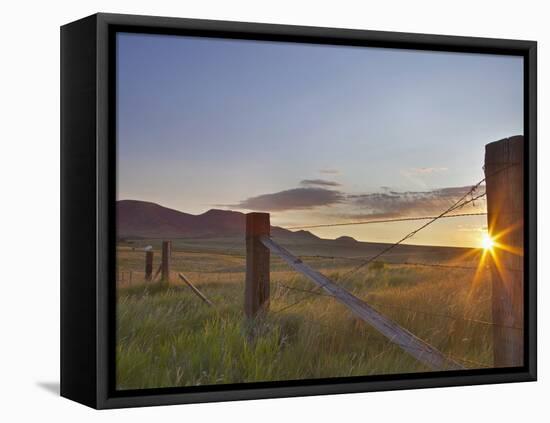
(446, 316)
(293, 304)
(393, 263)
(292, 288)
(371, 259)
(385, 341)
(216, 253)
(412, 218)
(458, 204)
(407, 309)
(320, 256)
(242, 267)
(327, 257)
(445, 266)
(397, 219)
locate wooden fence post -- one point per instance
(149, 255)
(256, 295)
(504, 186)
(165, 260)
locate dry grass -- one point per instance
(167, 337)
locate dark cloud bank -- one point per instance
(372, 205)
(292, 199)
(393, 203)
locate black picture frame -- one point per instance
(88, 201)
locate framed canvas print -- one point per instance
(255, 211)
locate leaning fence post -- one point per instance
(256, 297)
(165, 260)
(149, 255)
(504, 186)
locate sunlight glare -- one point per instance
(487, 242)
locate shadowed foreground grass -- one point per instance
(166, 336)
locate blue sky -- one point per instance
(311, 133)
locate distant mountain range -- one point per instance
(142, 219)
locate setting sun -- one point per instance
(487, 242)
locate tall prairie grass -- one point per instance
(166, 336)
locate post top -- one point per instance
(514, 139)
(257, 224)
(504, 152)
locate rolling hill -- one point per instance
(142, 219)
(141, 222)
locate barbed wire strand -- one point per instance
(458, 204)
(397, 219)
(367, 261)
(410, 310)
(385, 341)
(393, 263)
(443, 215)
(215, 253)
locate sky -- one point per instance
(312, 134)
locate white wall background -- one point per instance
(29, 175)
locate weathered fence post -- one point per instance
(165, 260)
(256, 295)
(149, 255)
(504, 185)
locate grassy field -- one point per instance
(166, 336)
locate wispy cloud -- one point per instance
(420, 175)
(329, 171)
(319, 182)
(292, 199)
(425, 170)
(387, 203)
(410, 203)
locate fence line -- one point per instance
(217, 253)
(320, 256)
(391, 263)
(410, 343)
(507, 302)
(458, 204)
(407, 309)
(242, 267)
(397, 219)
(380, 341)
(446, 316)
